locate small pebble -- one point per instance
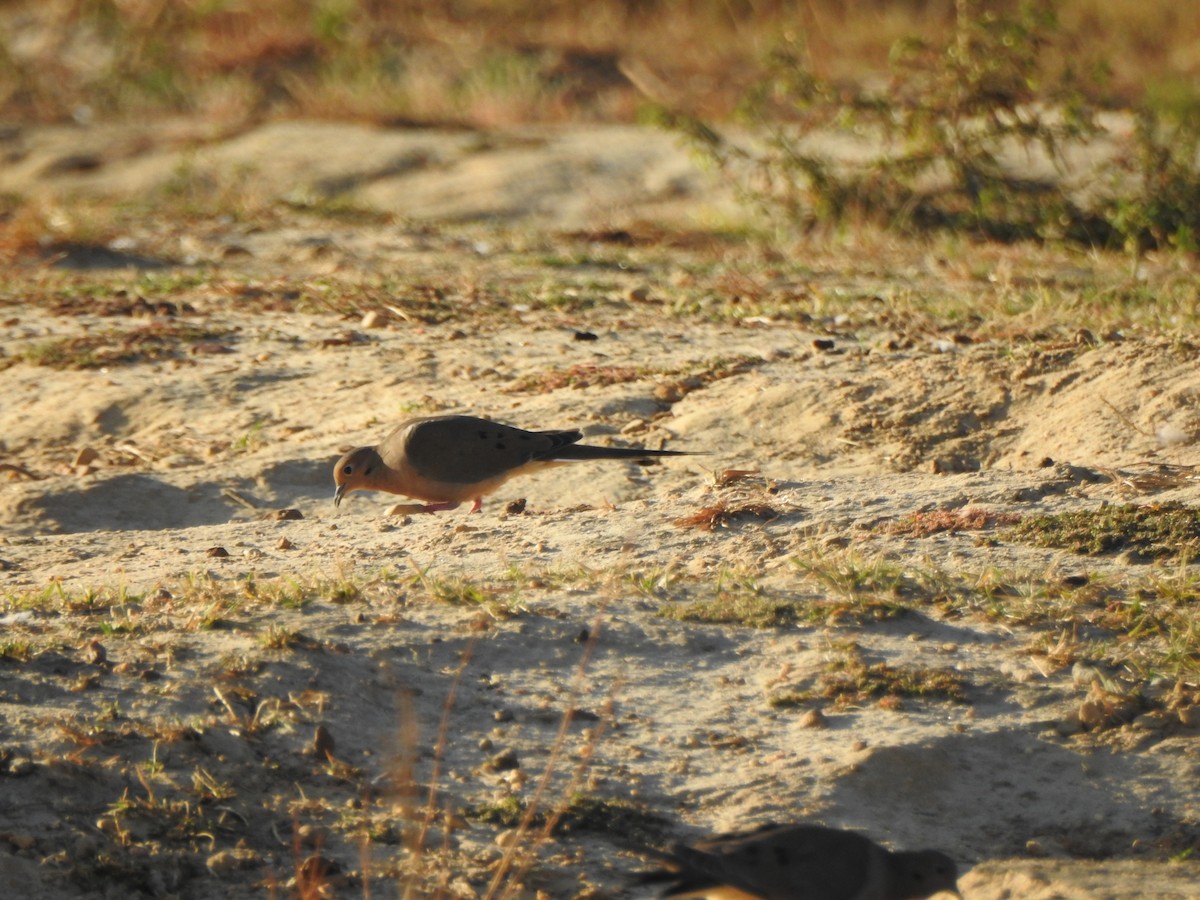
(814, 718)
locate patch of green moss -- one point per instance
(1157, 531)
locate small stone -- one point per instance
(94, 653)
(638, 294)
(376, 318)
(515, 507)
(318, 868)
(284, 544)
(85, 457)
(285, 515)
(586, 336)
(1092, 714)
(823, 344)
(670, 392)
(814, 718)
(216, 552)
(503, 715)
(503, 761)
(508, 838)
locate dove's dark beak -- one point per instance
(339, 494)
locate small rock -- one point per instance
(586, 336)
(503, 715)
(284, 544)
(85, 457)
(508, 838)
(670, 392)
(376, 318)
(503, 761)
(216, 552)
(1082, 673)
(317, 868)
(638, 294)
(94, 653)
(823, 344)
(1092, 714)
(515, 507)
(814, 718)
(285, 515)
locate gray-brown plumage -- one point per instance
(802, 862)
(445, 460)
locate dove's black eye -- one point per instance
(347, 470)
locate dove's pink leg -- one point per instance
(475, 507)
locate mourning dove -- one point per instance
(448, 459)
(802, 862)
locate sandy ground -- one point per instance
(158, 732)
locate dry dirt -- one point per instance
(160, 703)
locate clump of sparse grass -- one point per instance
(625, 820)
(153, 342)
(850, 680)
(578, 376)
(752, 609)
(924, 524)
(1156, 531)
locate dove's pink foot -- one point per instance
(475, 507)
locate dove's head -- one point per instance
(355, 472)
